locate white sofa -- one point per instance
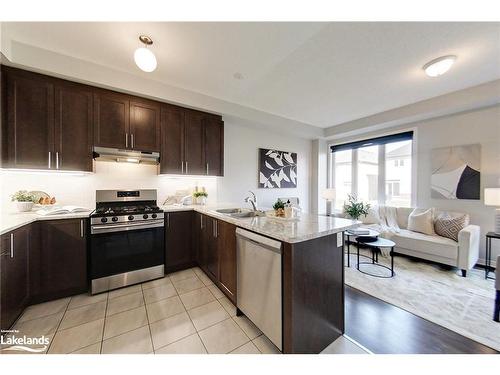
(462, 254)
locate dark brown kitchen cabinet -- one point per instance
(28, 125)
(194, 147)
(59, 266)
(214, 146)
(212, 247)
(111, 120)
(226, 237)
(73, 127)
(172, 140)
(14, 268)
(145, 125)
(179, 252)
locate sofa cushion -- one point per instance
(422, 221)
(448, 226)
(402, 214)
(425, 243)
(373, 216)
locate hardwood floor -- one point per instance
(386, 329)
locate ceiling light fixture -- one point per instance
(144, 57)
(439, 66)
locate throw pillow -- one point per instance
(372, 217)
(422, 221)
(449, 226)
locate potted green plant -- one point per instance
(355, 209)
(279, 208)
(200, 197)
(24, 200)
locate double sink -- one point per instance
(239, 212)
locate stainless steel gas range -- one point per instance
(127, 239)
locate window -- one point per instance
(377, 171)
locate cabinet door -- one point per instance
(111, 120)
(73, 127)
(178, 240)
(214, 147)
(227, 258)
(14, 275)
(63, 258)
(172, 140)
(212, 247)
(194, 150)
(29, 126)
(144, 126)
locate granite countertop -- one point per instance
(13, 220)
(306, 228)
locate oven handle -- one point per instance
(126, 227)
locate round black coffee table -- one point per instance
(375, 247)
(372, 233)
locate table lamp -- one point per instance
(329, 196)
(492, 198)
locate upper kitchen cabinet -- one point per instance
(194, 147)
(47, 124)
(191, 142)
(111, 120)
(214, 146)
(28, 122)
(172, 140)
(73, 127)
(145, 125)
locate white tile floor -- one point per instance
(182, 313)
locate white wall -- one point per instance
(480, 126)
(80, 189)
(241, 159)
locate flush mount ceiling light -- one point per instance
(439, 66)
(144, 57)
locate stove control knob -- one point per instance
(154, 216)
(131, 217)
(114, 218)
(145, 217)
(104, 219)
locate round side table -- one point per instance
(372, 233)
(375, 247)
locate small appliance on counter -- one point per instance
(126, 239)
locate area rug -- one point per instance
(436, 293)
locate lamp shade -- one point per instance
(492, 197)
(328, 194)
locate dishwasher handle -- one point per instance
(259, 240)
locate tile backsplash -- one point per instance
(80, 189)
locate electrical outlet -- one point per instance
(340, 239)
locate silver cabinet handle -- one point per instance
(168, 220)
(81, 229)
(186, 167)
(12, 245)
(132, 139)
(126, 140)
(207, 168)
(49, 160)
(57, 160)
(201, 221)
(182, 167)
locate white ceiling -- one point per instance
(321, 74)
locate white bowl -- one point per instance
(24, 206)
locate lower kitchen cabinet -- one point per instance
(59, 264)
(226, 242)
(14, 269)
(179, 252)
(212, 248)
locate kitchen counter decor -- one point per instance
(24, 200)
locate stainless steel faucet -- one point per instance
(252, 200)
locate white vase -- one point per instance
(24, 206)
(201, 200)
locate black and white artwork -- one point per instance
(277, 169)
(456, 172)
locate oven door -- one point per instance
(116, 249)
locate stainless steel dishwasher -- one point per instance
(259, 282)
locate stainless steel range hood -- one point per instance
(126, 156)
